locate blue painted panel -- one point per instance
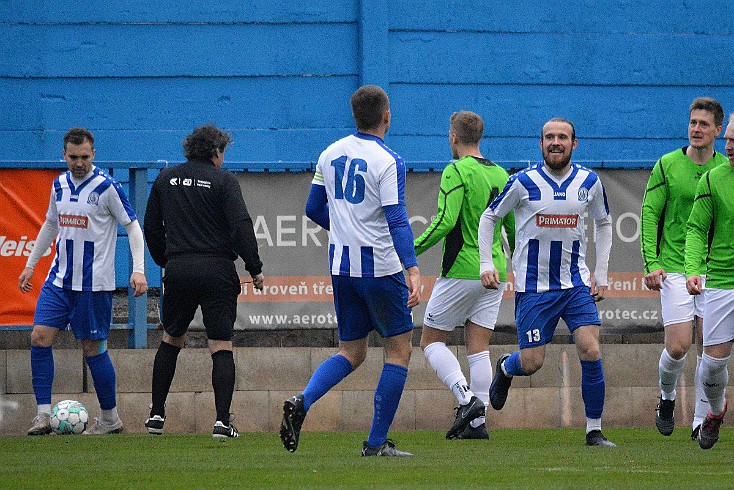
(561, 58)
(176, 103)
(177, 11)
(257, 145)
(553, 16)
(637, 153)
(521, 110)
(131, 50)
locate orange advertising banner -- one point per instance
(24, 198)
(314, 289)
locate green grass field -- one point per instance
(519, 458)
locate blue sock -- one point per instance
(327, 375)
(593, 388)
(387, 397)
(42, 372)
(103, 374)
(513, 365)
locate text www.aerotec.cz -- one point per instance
(308, 319)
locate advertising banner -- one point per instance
(24, 198)
(298, 290)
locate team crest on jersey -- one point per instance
(93, 198)
(583, 194)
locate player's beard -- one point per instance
(552, 159)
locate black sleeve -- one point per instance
(155, 232)
(243, 233)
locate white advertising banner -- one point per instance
(293, 249)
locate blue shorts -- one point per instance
(89, 313)
(364, 304)
(537, 314)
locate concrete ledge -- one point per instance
(266, 376)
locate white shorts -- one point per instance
(676, 304)
(718, 321)
(454, 301)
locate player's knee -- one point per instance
(93, 347)
(589, 352)
(41, 338)
(678, 350)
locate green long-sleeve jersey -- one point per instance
(468, 186)
(666, 206)
(710, 230)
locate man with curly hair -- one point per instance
(196, 225)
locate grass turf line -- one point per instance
(518, 458)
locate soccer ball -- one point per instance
(69, 417)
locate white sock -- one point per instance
(670, 370)
(592, 424)
(714, 377)
(44, 409)
(480, 374)
(447, 366)
(110, 416)
(702, 404)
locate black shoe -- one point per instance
(664, 416)
(500, 385)
(695, 432)
(293, 417)
(464, 415)
(710, 429)
(387, 449)
(154, 424)
(222, 431)
(596, 438)
(470, 432)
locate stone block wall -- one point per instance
(266, 376)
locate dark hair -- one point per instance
(77, 136)
(369, 103)
(468, 126)
(204, 142)
(710, 105)
(561, 120)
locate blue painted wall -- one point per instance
(277, 74)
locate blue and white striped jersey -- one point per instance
(550, 237)
(87, 214)
(361, 175)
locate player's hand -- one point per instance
(694, 285)
(414, 287)
(139, 283)
(491, 279)
(258, 281)
(598, 292)
(654, 280)
(24, 280)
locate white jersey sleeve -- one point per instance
(497, 209)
